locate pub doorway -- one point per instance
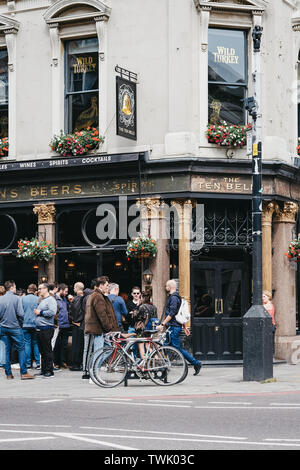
(220, 298)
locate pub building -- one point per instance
(65, 66)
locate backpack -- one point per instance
(183, 315)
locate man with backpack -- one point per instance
(77, 318)
(171, 310)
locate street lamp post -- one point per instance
(257, 323)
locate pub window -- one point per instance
(227, 75)
(3, 93)
(81, 84)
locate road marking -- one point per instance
(35, 425)
(136, 404)
(50, 401)
(161, 433)
(172, 401)
(95, 441)
(21, 439)
(228, 403)
(246, 408)
(284, 404)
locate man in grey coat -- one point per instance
(11, 318)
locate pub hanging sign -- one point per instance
(126, 105)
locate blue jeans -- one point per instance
(16, 336)
(31, 342)
(175, 341)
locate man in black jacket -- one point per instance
(77, 317)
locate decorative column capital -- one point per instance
(286, 213)
(267, 212)
(45, 212)
(151, 206)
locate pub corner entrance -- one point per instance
(220, 298)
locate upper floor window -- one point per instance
(227, 75)
(3, 93)
(81, 84)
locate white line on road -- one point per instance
(136, 404)
(228, 403)
(35, 425)
(21, 439)
(172, 401)
(284, 404)
(161, 433)
(50, 401)
(95, 441)
(247, 408)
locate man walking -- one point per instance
(29, 303)
(100, 317)
(118, 303)
(11, 318)
(61, 344)
(77, 317)
(45, 314)
(171, 310)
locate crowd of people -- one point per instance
(36, 324)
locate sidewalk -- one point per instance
(211, 380)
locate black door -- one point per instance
(219, 300)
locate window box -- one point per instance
(227, 135)
(77, 144)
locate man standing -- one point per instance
(45, 314)
(29, 303)
(77, 317)
(61, 344)
(135, 301)
(117, 302)
(171, 310)
(11, 318)
(100, 317)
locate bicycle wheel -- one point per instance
(167, 366)
(92, 359)
(109, 368)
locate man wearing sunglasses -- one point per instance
(134, 303)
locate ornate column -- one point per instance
(267, 215)
(284, 278)
(184, 210)
(154, 224)
(46, 231)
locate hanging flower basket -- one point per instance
(4, 147)
(77, 144)
(35, 250)
(293, 252)
(228, 135)
(141, 247)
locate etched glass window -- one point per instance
(81, 84)
(227, 75)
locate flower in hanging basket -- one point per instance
(228, 135)
(4, 147)
(35, 250)
(141, 247)
(77, 144)
(293, 252)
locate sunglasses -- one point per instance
(135, 293)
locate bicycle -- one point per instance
(164, 365)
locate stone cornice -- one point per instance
(256, 8)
